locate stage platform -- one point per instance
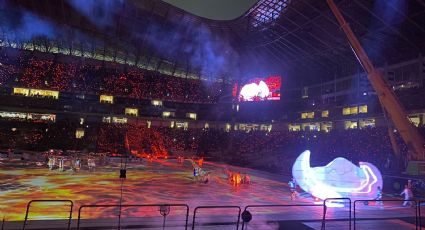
(170, 182)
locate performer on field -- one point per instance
(77, 164)
(91, 164)
(51, 162)
(61, 164)
(408, 195)
(379, 196)
(292, 188)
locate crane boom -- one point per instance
(389, 101)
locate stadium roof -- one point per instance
(214, 9)
(296, 38)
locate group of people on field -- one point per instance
(407, 193)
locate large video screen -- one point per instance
(260, 89)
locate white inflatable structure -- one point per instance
(338, 179)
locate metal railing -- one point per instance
(163, 209)
(420, 204)
(279, 206)
(209, 208)
(146, 220)
(389, 200)
(50, 204)
(326, 209)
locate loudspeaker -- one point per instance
(246, 216)
(123, 173)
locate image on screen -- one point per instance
(260, 89)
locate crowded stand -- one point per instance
(95, 77)
(266, 114)
(68, 74)
(258, 149)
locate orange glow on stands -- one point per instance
(144, 142)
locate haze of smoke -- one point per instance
(25, 26)
(204, 51)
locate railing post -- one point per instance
(420, 214)
(193, 221)
(214, 207)
(417, 211)
(354, 214)
(187, 216)
(283, 205)
(325, 209)
(133, 205)
(79, 216)
(26, 215)
(70, 215)
(47, 201)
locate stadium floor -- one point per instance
(170, 182)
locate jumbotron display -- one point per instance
(261, 89)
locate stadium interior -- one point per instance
(213, 114)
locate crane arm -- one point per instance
(391, 104)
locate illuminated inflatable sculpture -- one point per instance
(340, 178)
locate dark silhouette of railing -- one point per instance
(164, 210)
(246, 211)
(420, 204)
(389, 200)
(195, 211)
(70, 203)
(326, 209)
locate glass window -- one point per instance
(294, 127)
(44, 93)
(346, 111)
(79, 133)
(106, 119)
(131, 111)
(367, 123)
(119, 119)
(106, 99)
(166, 114)
(350, 124)
(228, 127)
(156, 103)
(306, 115)
(191, 116)
(21, 91)
(326, 126)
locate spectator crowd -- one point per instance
(96, 77)
(274, 150)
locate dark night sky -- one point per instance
(214, 9)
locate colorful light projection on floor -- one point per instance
(149, 182)
(340, 178)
